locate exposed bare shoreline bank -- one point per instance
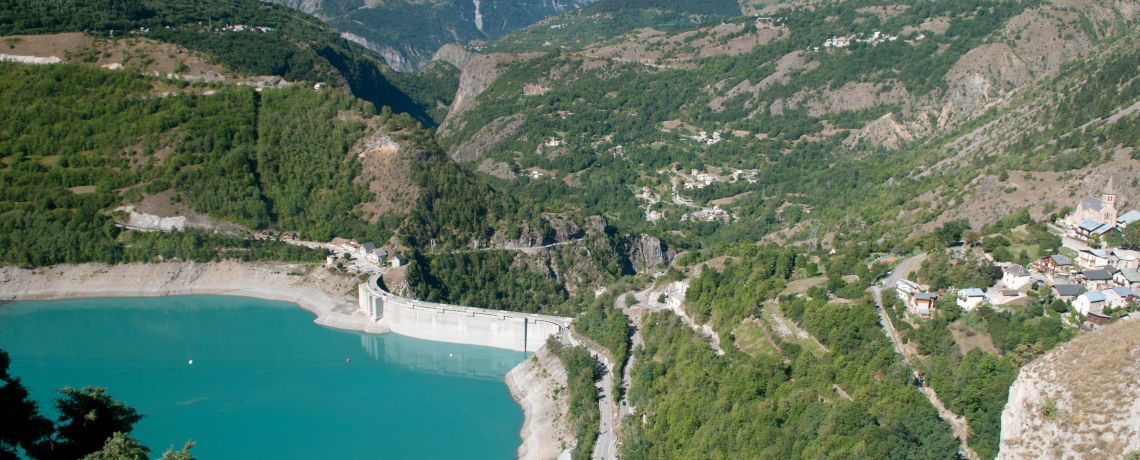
(330, 296)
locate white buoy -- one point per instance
(449, 355)
(191, 361)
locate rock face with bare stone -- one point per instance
(1081, 400)
(539, 385)
(646, 253)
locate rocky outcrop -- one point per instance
(539, 386)
(499, 169)
(479, 72)
(456, 55)
(564, 229)
(596, 224)
(483, 141)
(529, 237)
(406, 60)
(890, 133)
(646, 253)
(1081, 400)
(308, 6)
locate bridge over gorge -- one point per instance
(455, 324)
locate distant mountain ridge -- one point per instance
(408, 33)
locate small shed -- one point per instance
(1098, 319)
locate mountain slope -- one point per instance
(274, 41)
(407, 33)
(849, 129)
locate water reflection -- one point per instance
(441, 358)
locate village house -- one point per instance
(924, 303)
(1090, 302)
(1093, 258)
(1118, 297)
(1054, 264)
(1125, 258)
(373, 254)
(1088, 227)
(1015, 276)
(399, 261)
(1098, 319)
(1127, 277)
(1095, 280)
(1127, 219)
(1067, 292)
(970, 298)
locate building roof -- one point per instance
(1130, 274)
(401, 259)
(1010, 292)
(1094, 296)
(1067, 289)
(368, 247)
(973, 292)
(1097, 275)
(1089, 224)
(1097, 252)
(1060, 259)
(1124, 292)
(1016, 270)
(1128, 218)
(926, 296)
(1092, 203)
(1126, 254)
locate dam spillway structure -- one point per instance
(456, 324)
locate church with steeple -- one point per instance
(1102, 210)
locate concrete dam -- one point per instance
(455, 324)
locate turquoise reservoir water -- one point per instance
(265, 381)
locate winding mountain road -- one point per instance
(958, 423)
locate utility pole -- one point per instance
(814, 224)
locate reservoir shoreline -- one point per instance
(331, 296)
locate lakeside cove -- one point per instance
(330, 296)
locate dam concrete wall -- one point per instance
(456, 324)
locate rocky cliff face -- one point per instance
(1081, 400)
(406, 60)
(479, 71)
(539, 385)
(456, 55)
(646, 253)
(308, 6)
(482, 142)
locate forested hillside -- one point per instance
(278, 158)
(276, 41)
(852, 397)
(847, 133)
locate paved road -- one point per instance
(890, 282)
(677, 198)
(606, 447)
(961, 428)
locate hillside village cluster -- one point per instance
(360, 257)
(1097, 282)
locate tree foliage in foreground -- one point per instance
(91, 425)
